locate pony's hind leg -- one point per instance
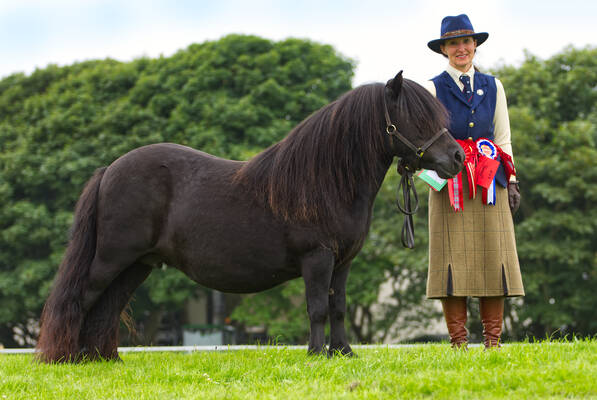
(99, 334)
(115, 254)
(131, 212)
(124, 238)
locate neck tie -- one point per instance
(467, 91)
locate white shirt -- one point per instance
(501, 120)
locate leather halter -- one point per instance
(419, 151)
(406, 170)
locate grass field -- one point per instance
(549, 370)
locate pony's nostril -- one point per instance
(459, 156)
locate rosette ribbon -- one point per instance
(486, 177)
(455, 188)
(482, 159)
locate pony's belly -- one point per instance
(230, 246)
(239, 278)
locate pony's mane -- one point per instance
(323, 163)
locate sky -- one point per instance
(382, 37)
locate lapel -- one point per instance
(455, 90)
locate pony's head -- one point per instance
(416, 126)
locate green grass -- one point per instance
(550, 370)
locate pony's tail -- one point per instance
(62, 316)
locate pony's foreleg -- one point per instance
(316, 268)
(337, 302)
(99, 335)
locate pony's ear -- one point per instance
(395, 85)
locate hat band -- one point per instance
(458, 33)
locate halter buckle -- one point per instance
(391, 128)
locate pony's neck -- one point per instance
(334, 158)
(381, 170)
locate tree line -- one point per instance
(235, 96)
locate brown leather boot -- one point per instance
(492, 316)
(455, 315)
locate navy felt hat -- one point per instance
(455, 27)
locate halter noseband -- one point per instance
(406, 180)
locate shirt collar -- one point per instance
(455, 74)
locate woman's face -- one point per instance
(460, 52)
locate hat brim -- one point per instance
(434, 45)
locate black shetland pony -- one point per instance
(302, 208)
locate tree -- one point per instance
(230, 97)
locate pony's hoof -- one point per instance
(317, 351)
(116, 359)
(345, 351)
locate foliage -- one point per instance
(231, 97)
(518, 371)
(553, 114)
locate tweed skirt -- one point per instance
(472, 252)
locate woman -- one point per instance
(472, 249)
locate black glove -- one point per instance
(400, 169)
(513, 196)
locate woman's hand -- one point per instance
(513, 196)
